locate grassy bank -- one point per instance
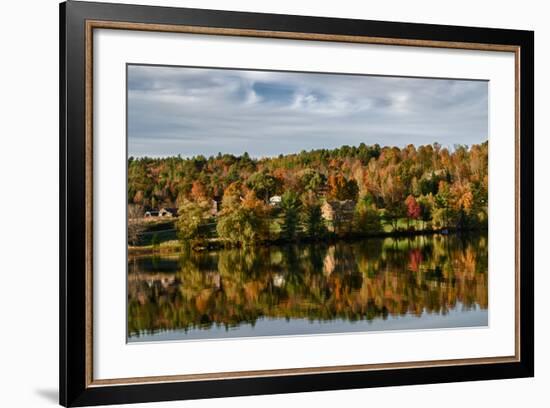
(175, 246)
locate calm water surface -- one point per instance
(371, 285)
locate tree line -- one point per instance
(426, 187)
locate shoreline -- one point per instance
(176, 246)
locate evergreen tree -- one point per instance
(290, 205)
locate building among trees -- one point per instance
(338, 215)
(275, 200)
(168, 212)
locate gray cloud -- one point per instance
(190, 111)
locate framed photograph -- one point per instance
(256, 203)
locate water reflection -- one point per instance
(226, 293)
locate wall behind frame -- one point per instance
(29, 186)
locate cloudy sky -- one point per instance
(191, 111)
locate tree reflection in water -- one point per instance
(350, 281)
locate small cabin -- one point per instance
(168, 212)
(213, 208)
(275, 200)
(279, 280)
(338, 214)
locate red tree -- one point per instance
(413, 208)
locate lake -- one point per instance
(421, 282)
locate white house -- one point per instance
(275, 200)
(213, 207)
(168, 212)
(278, 280)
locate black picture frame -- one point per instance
(75, 389)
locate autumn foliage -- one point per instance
(426, 187)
